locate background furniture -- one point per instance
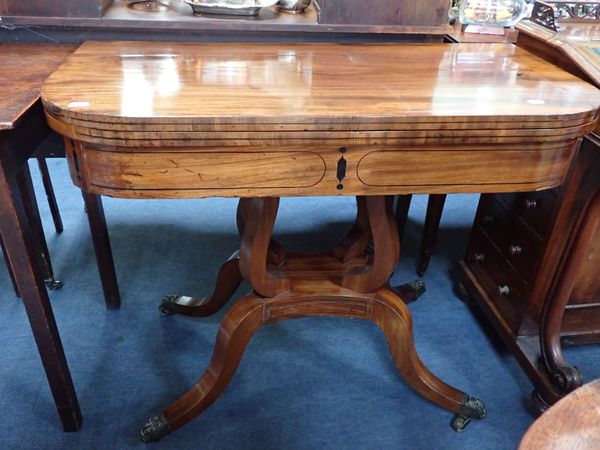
(22, 129)
(67, 20)
(520, 243)
(384, 12)
(51, 282)
(42, 8)
(572, 423)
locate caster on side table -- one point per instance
(459, 423)
(473, 408)
(53, 284)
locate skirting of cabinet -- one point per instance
(580, 324)
(525, 348)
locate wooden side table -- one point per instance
(22, 129)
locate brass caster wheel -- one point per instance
(459, 423)
(472, 408)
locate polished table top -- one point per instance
(133, 82)
(24, 69)
(413, 118)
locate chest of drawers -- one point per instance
(517, 252)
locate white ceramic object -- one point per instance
(293, 6)
(231, 7)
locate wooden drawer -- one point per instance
(503, 285)
(536, 208)
(224, 172)
(519, 244)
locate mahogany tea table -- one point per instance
(263, 121)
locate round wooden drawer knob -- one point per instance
(503, 290)
(530, 204)
(515, 250)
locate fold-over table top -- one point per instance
(170, 120)
(301, 87)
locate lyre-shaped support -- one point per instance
(254, 252)
(386, 247)
(334, 284)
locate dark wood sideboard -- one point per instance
(520, 244)
(44, 8)
(384, 12)
(329, 20)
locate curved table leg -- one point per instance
(384, 308)
(237, 328)
(391, 314)
(228, 280)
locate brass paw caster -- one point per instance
(154, 429)
(472, 408)
(164, 307)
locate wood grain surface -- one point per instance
(328, 86)
(170, 120)
(24, 69)
(572, 423)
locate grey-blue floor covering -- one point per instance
(305, 384)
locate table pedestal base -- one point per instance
(349, 281)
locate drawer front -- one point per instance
(519, 244)
(188, 170)
(536, 208)
(503, 285)
(468, 166)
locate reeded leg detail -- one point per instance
(228, 280)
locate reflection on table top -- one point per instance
(266, 83)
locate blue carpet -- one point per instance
(307, 384)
